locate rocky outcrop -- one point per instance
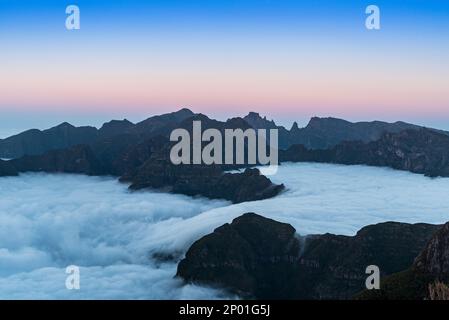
(326, 133)
(257, 122)
(430, 268)
(435, 257)
(148, 165)
(340, 262)
(421, 151)
(253, 256)
(208, 181)
(264, 259)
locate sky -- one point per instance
(286, 59)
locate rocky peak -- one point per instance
(295, 127)
(117, 123)
(252, 256)
(323, 123)
(265, 259)
(115, 127)
(434, 259)
(257, 122)
(61, 127)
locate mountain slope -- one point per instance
(33, 142)
(423, 151)
(260, 258)
(65, 135)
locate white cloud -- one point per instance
(48, 222)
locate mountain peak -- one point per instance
(184, 111)
(257, 122)
(317, 122)
(295, 126)
(115, 127)
(63, 126)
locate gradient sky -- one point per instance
(288, 59)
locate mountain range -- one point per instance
(256, 257)
(139, 154)
(253, 256)
(320, 133)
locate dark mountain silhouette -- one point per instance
(423, 151)
(161, 124)
(35, 142)
(320, 133)
(114, 128)
(324, 133)
(430, 268)
(260, 258)
(147, 165)
(417, 150)
(77, 159)
(257, 122)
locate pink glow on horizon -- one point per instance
(326, 85)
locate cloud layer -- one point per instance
(48, 222)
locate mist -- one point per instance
(48, 222)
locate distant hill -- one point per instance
(320, 133)
(256, 257)
(324, 133)
(32, 142)
(421, 151)
(65, 135)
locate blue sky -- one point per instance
(287, 59)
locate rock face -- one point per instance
(252, 256)
(157, 171)
(326, 133)
(430, 267)
(148, 165)
(335, 265)
(435, 257)
(264, 259)
(422, 151)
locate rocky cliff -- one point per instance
(422, 151)
(430, 268)
(264, 259)
(148, 165)
(253, 256)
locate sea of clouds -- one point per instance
(48, 222)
